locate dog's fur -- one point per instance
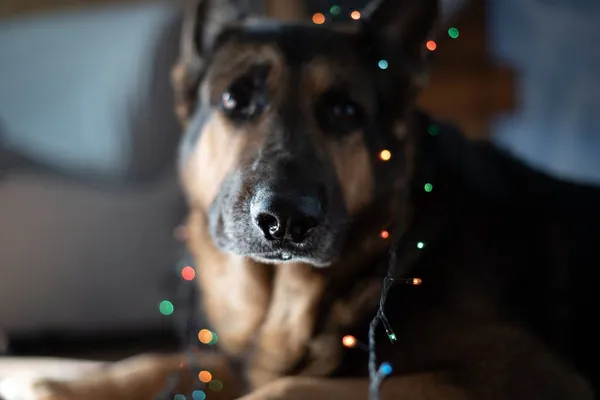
(489, 320)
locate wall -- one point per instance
(553, 47)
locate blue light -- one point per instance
(198, 395)
(383, 64)
(385, 369)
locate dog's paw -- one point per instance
(24, 387)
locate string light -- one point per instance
(166, 307)
(179, 397)
(385, 155)
(215, 385)
(420, 245)
(428, 187)
(355, 15)
(433, 129)
(385, 369)
(384, 234)
(188, 273)
(335, 10)
(198, 395)
(431, 45)
(318, 18)
(349, 341)
(417, 281)
(453, 32)
(383, 64)
(205, 336)
(205, 376)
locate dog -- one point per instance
(306, 163)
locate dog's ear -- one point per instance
(203, 21)
(401, 26)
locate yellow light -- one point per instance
(417, 281)
(384, 234)
(355, 15)
(205, 376)
(349, 341)
(205, 336)
(318, 18)
(385, 155)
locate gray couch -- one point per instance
(88, 192)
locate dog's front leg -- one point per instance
(414, 387)
(138, 378)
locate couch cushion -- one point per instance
(88, 91)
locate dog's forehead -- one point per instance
(300, 43)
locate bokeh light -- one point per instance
(205, 336)
(385, 155)
(318, 18)
(188, 273)
(215, 385)
(205, 376)
(198, 395)
(166, 307)
(349, 341)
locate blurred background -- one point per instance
(89, 202)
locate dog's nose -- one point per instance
(289, 218)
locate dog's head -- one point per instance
(285, 123)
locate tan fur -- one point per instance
(353, 166)
(236, 291)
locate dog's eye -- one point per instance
(339, 115)
(246, 98)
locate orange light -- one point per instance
(417, 281)
(349, 341)
(384, 234)
(318, 18)
(431, 45)
(355, 15)
(205, 376)
(188, 273)
(385, 155)
(205, 336)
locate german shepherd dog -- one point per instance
(295, 209)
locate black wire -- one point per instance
(375, 377)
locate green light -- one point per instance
(392, 337)
(214, 339)
(420, 245)
(433, 129)
(166, 307)
(453, 32)
(179, 397)
(335, 10)
(428, 187)
(383, 64)
(215, 385)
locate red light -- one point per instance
(431, 45)
(188, 273)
